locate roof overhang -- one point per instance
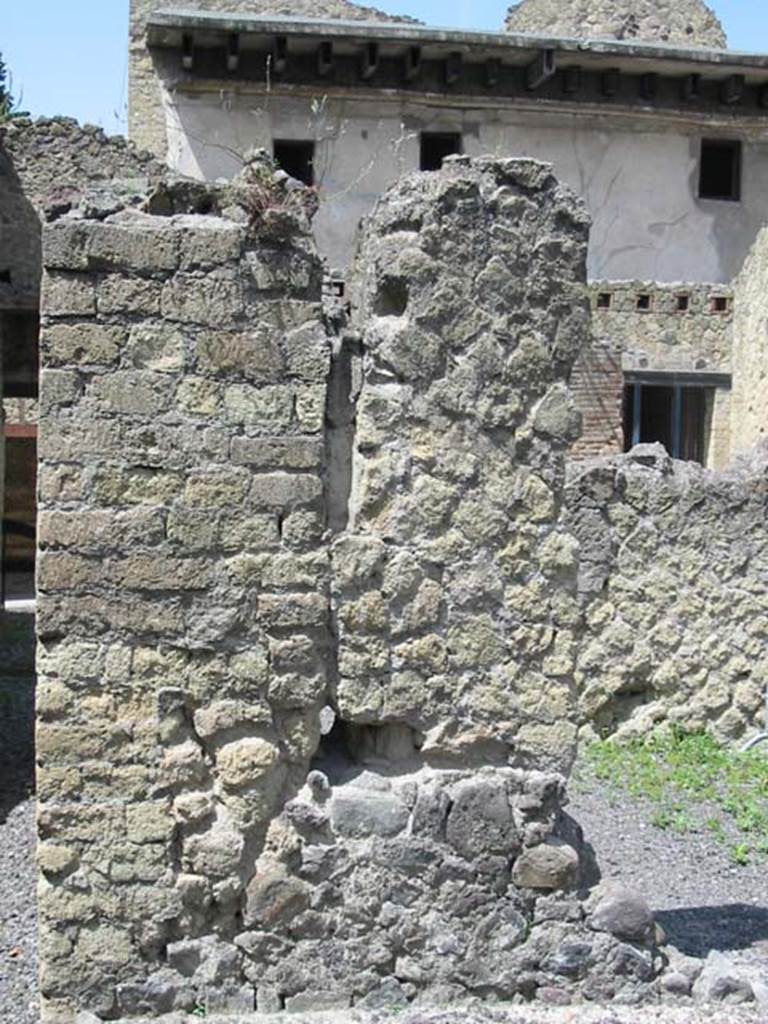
(167, 28)
(497, 66)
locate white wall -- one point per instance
(638, 176)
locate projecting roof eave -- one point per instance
(164, 28)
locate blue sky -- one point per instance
(70, 56)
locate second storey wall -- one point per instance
(639, 176)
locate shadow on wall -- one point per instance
(17, 710)
(696, 931)
(20, 239)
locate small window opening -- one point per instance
(604, 300)
(672, 415)
(683, 303)
(720, 170)
(643, 302)
(436, 146)
(337, 288)
(719, 304)
(5, 277)
(297, 159)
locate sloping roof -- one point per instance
(682, 22)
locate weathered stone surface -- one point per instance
(669, 635)
(690, 23)
(551, 865)
(307, 646)
(621, 912)
(142, 507)
(448, 465)
(721, 982)
(361, 813)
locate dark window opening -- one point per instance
(604, 300)
(672, 415)
(5, 277)
(720, 170)
(436, 146)
(683, 303)
(643, 303)
(297, 159)
(719, 304)
(19, 350)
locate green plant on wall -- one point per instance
(8, 105)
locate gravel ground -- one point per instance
(703, 901)
(487, 1014)
(701, 898)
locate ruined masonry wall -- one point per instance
(673, 571)
(182, 603)
(45, 165)
(688, 23)
(463, 422)
(304, 688)
(749, 400)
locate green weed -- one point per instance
(687, 775)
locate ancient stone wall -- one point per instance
(305, 674)
(749, 399)
(182, 589)
(673, 564)
(45, 166)
(146, 113)
(688, 23)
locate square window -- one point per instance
(683, 303)
(719, 304)
(297, 159)
(643, 302)
(720, 170)
(435, 146)
(672, 415)
(603, 300)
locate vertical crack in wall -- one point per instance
(343, 390)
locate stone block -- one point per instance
(621, 912)
(550, 865)
(358, 813)
(274, 898)
(285, 490)
(253, 355)
(213, 300)
(268, 408)
(224, 489)
(207, 241)
(481, 820)
(278, 452)
(144, 246)
(86, 344)
(68, 294)
(132, 392)
(125, 294)
(292, 610)
(314, 1001)
(58, 388)
(157, 348)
